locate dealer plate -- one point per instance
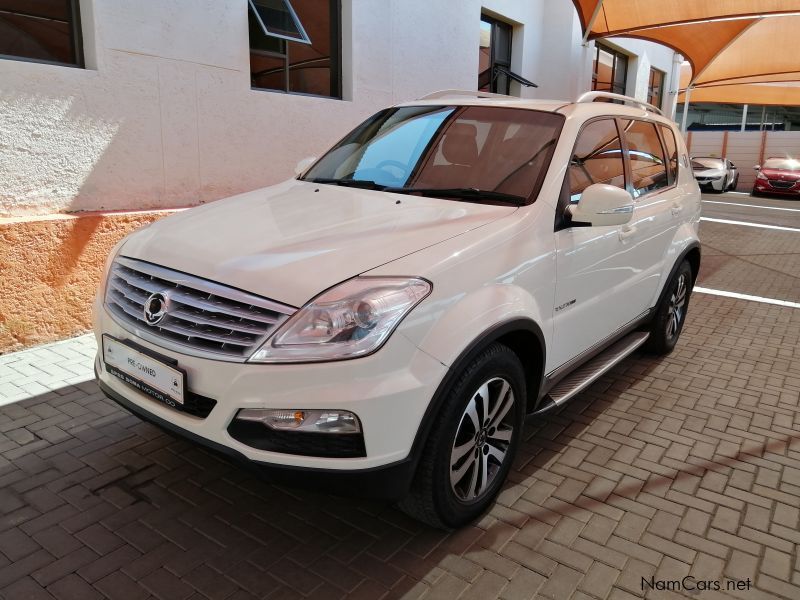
(143, 372)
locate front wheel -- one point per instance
(671, 312)
(472, 444)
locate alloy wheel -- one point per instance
(677, 303)
(482, 440)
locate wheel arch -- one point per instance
(692, 253)
(523, 336)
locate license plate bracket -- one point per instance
(144, 371)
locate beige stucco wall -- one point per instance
(50, 267)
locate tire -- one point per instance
(666, 327)
(456, 456)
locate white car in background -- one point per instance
(715, 174)
(384, 323)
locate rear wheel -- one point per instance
(671, 312)
(472, 444)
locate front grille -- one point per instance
(202, 318)
(784, 185)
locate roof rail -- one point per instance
(467, 93)
(592, 96)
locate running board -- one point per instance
(591, 371)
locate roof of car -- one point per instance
(568, 108)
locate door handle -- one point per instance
(676, 208)
(626, 231)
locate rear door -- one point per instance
(657, 207)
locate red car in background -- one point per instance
(778, 176)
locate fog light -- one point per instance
(315, 420)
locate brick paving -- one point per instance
(682, 466)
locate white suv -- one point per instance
(385, 322)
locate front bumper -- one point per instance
(389, 391)
(764, 187)
(714, 183)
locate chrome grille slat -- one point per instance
(191, 332)
(187, 298)
(204, 318)
(215, 321)
(130, 292)
(217, 307)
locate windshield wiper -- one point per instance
(356, 183)
(469, 194)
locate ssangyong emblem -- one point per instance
(155, 308)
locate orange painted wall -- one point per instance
(49, 270)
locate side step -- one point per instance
(591, 371)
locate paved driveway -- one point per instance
(687, 465)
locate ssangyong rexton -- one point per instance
(385, 322)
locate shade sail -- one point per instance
(725, 41)
(767, 47)
(773, 90)
(771, 94)
(616, 17)
(699, 49)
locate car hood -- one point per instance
(291, 241)
(780, 174)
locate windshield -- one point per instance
(784, 164)
(700, 163)
(481, 153)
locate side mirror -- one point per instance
(757, 167)
(602, 204)
(304, 164)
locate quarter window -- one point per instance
(41, 31)
(672, 152)
(648, 168)
(597, 158)
(295, 46)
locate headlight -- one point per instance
(350, 320)
(761, 176)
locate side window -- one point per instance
(648, 168)
(597, 158)
(672, 152)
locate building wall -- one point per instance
(164, 116)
